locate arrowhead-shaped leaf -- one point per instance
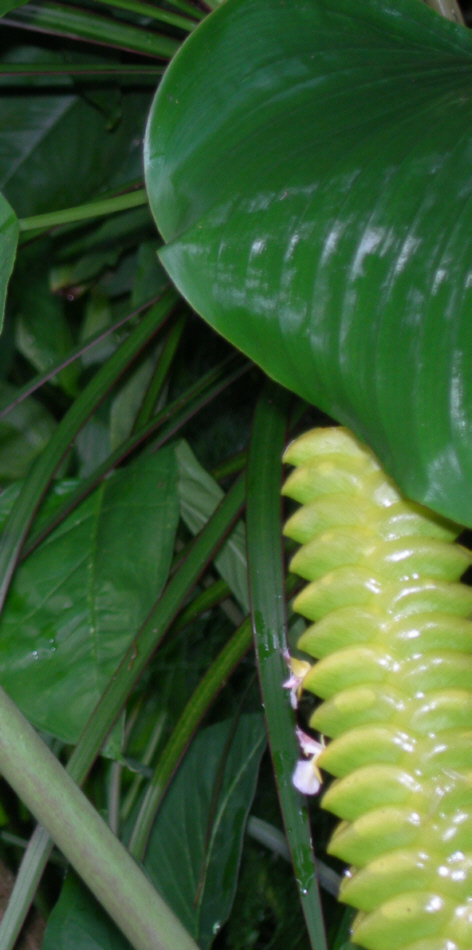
(309, 165)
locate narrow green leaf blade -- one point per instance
(265, 561)
(82, 24)
(199, 496)
(8, 242)
(78, 600)
(309, 166)
(195, 873)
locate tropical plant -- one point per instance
(307, 164)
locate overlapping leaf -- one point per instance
(79, 599)
(56, 148)
(195, 845)
(309, 166)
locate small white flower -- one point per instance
(307, 776)
(298, 671)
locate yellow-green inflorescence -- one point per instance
(394, 650)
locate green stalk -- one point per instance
(35, 485)
(147, 758)
(84, 838)
(190, 718)
(204, 601)
(83, 25)
(187, 8)
(90, 70)
(160, 373)
(266, 587)
(93, 209)
(203, 549)
(155, 13)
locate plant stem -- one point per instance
(147, 758)
(160, 373)
(84, 838)
(93, 209)
(122, 70)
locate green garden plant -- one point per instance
(307, 166)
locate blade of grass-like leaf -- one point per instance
(160, 373)
(8, 243)
(73, 354)
(178, 412)
(155, 13)
(93, 209)
(199, 496)
(269, 626)
(134, 660)
(219, 590)
(37, 482)
(82, 25)
(121, 70)
(187, 8)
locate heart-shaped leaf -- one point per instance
(308, 164)
(79, 599)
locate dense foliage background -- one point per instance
(128, 429)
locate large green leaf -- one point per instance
(308, 164)
(195, 845)
(80, 598)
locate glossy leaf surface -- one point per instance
(309, 166)
(195, 845)
(80, 597)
